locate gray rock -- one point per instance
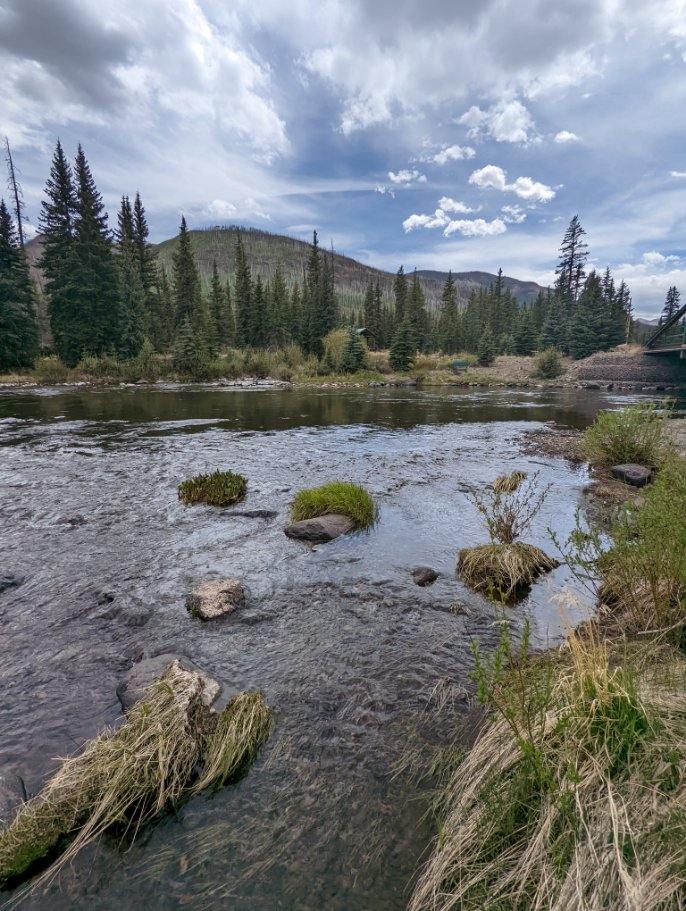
(252, 513)
(215, 598)
(319, 530)
(138, 679)
(636, 475)
(12, 795)
(9, 580)
(424, 575)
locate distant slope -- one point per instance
(265, 251)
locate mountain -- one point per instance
(265, 251)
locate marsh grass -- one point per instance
(240, 731)
(220, 488)
(503, 572)
(573, 796)
(342, 497)
(508, 483)
(633, 434)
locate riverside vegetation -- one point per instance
(218, 488)
(574, 793)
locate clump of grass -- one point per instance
(508, 483)
(503, 571)
(342, 497)
(124, 777)
(573, 795)
(633, 434)
(240, 731)
(220, 488)
(50, 369)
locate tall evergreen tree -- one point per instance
(486, 347)
(242, 297)
(403, 347)
(132, 302)
(259, 324)
(145, 254)
(279, 329)
(218, 306)
(449, 325)
(124, 232)
(105, 324)
(188, 299)
(400, 295)
(586, 335)
(570, 269)
(18, 330)
(415, 311)
(672, 304)
(353, 354)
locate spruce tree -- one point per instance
(354, 354)
(585, 328)
(415, 311)
(372, 313)
(570, 269)
(59, 263)
(189, 302)
(190, 355)
(218, 308)
(525, 334)
(146, 255)
(260, 326)
(400, 295)
(403, 347)
(132, 302)
(18, 330)
(486, 348)
(230, 317)
(672, 304)
(279, 329)
(98, 291)
(242, 297)
(448, 327)
(124, 232)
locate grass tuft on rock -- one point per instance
(508, 483)
(341, 497)
(241, 730)
(220, 488)
(503, 572)
(125, 777)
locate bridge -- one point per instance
(670, 337)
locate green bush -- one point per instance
(103, 367)
(334, 345)
(340, 497)
(220, 488)
(51, 370)
(548, 364)
(634, 434)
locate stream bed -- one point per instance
(365, 671)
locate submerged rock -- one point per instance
(12, 796)
(215, 598)
(322, 529)
(636, 475)
(424, 575)
(9, 580)
(138, 679)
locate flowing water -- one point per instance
(362, 668)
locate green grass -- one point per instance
(220, 488)
(633, 434)
(342, 497)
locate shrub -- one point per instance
(220, 488)
(509, 509)
(508, 483)
(258, 363)
(342, 497)
(51, 370)
(354, 355)
(335, 344)
(548, 364)
(102, 367)
(634, 434)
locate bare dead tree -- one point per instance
(16, 191)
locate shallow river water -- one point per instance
(361, 667)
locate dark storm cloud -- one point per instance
(66, 40)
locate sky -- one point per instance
(441, 134)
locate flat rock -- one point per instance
(138, 679)
(215, 598)
(424, 575)
(252, 513)
(636, 475)
(319, 530)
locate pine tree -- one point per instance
(59, 263)
(132, 302)
(403, 347)
(259, 315)
(295, 313)
(585, 328)
(189, 302)
(279, 329)
(415, 311)
(190, 355)
(354, 354)
(146, 255)
(230, 316)
(372, 313)
(570, 270)
(18, 330)
(161, 314)
(525, 334)
(672, 304)
(448, 327)
(400, 295)
(105, 325)
(486, 348)
(242, 297)
(218, 307)
(124, 232)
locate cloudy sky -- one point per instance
(457, 134)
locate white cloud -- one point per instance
(565, 136)
(447, 204)
(677, 173)
(655, 258)
(438, 220)
(220, 208)
(506, 121)
(493, 177)
(476, 227)
(453, 153)
(383, 190)
(405, 177)
(513, 214)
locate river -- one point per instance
(364, 670)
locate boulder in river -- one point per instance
(134, 685)
(424, 575)
(215, 598)
(320, 530)
(636, 475)
(9, 580)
